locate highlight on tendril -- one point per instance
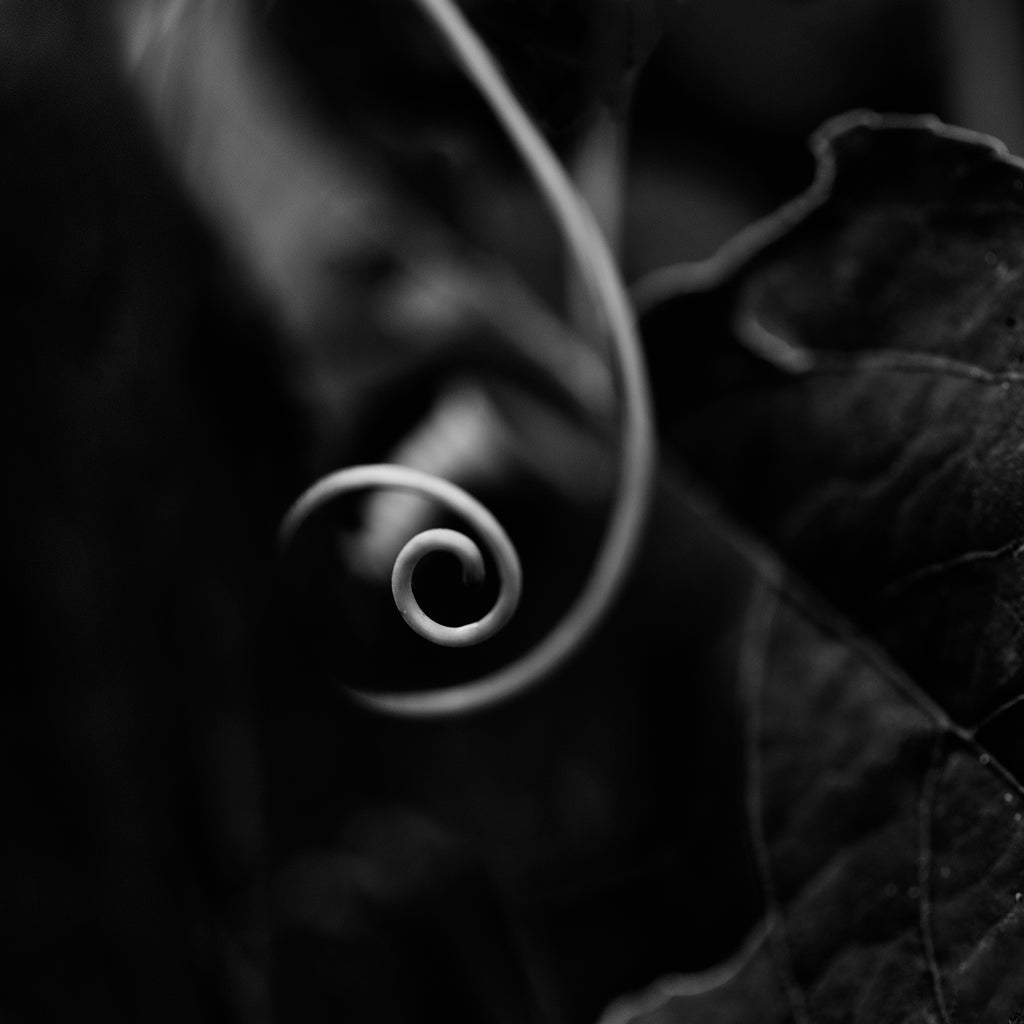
(598, 272)
(510, 577)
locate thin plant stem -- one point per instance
(628, 517)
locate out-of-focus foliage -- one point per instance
(564, 57)
(147, 448)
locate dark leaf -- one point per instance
(890, 845)
(850, 384)
(847, 381)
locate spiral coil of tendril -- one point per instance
(597, 269)
(357, 478)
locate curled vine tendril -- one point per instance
(359, 478)
(637, 453)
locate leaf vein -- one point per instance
(926, 806)
(992, 716)
(752, 671)
(895, 588)
(833, 625)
